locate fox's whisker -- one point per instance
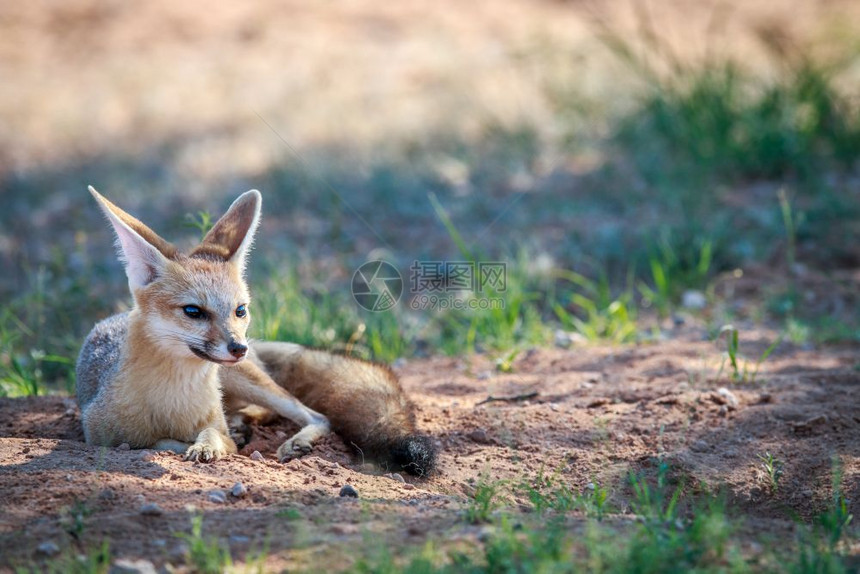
(183, 337)
(180, 333)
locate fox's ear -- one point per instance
(141, 250)
(231, 236)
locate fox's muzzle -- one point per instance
(236, 349)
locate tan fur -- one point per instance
(163, 388)
(154, 378)
(182, 397)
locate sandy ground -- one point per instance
(599, 414)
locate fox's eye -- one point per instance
(193, 311)
(241, 311)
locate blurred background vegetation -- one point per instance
(636, 165)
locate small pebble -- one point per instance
(124, 446)
(239, 540)
(151, 509)
(729, 397)
(700, 446)
(562, 341)
(479, 436)
(126, 566)
(48, 549)
(217, 497)
(407, 486)
(239, 490)
(349, 491)
(147, 456)
(257, 456)
(692, 299)
(398, 477)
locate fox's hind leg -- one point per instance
(302, 442)
(249, 384)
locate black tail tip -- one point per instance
(415, 454)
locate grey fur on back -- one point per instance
(100, 357)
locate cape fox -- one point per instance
(162, 375)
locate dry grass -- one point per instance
(86, 78)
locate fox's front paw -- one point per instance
(204, 452)
(303, 441)
(210, 446)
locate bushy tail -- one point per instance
(363, 401)
(415, 454)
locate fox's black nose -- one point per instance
(238, 350)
